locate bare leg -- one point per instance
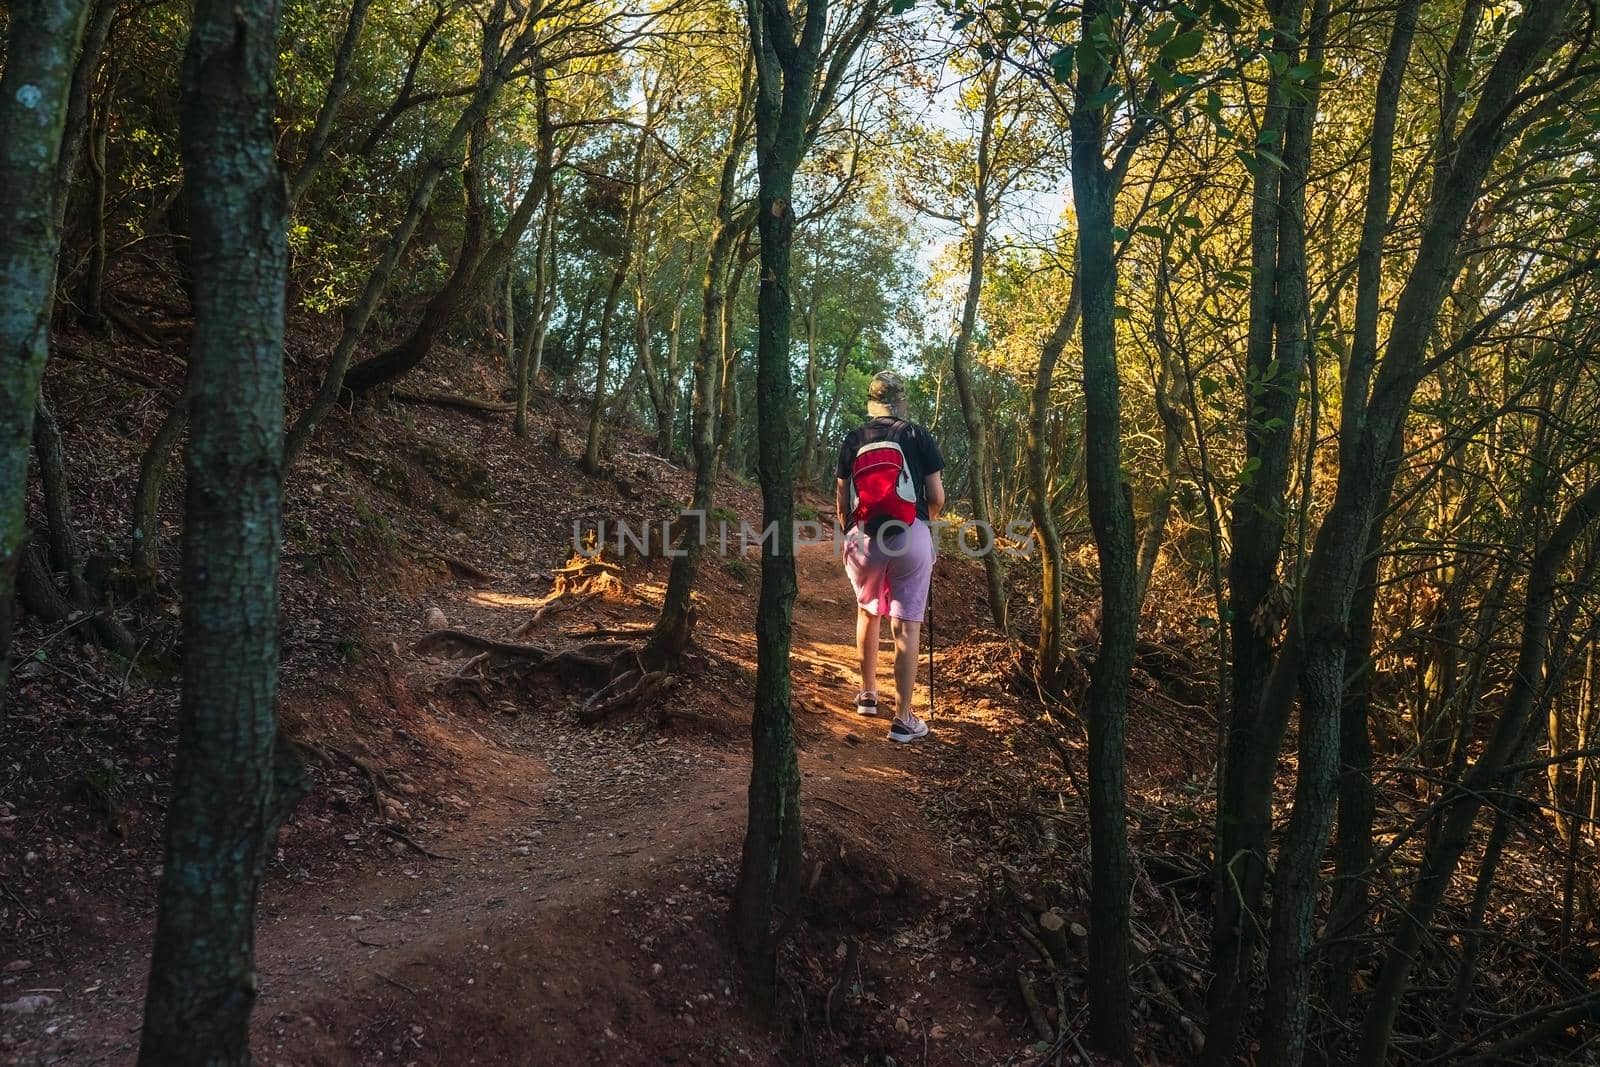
(867, 646)
(907, 639)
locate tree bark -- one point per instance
(769, 871)
(672, 630)
(108, 630)
(660, 381)
(234, 782)
(1047, 665)
(594, 446)
(1297, 876)
(1314, 658)
(808, 319)
(1111, 516)
(144, 556)
(1169, 386)
(1271, 403)
(94, 280)
(76, 125)
(841, 363)
(1357, 803)
(42, 38)
(730, 415)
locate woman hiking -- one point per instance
(889, 490)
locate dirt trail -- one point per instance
(576, 918)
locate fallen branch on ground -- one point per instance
(1036, 1013)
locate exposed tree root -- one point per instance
(595, 657)
(628, 675)
(1036, 1013)
(415, 846)
(626, 690)
(453, 400)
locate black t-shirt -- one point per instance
(922, 451)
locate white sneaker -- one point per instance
(867, 704)
(907, 732)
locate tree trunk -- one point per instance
(661, 391)
(667, 428)
(36, 586)
(1271, 403)
(509, 310)
(1169, 387)
(76, 125)
(42, 38)
(108, 630)
(144, 557)
(961, 358)
(1463, 800)
(622, 407)
(808, 450)
(531, 355)
(1357, 801)
(830, 418)
(769, 870)
(595, 440)
(478, 265)
(1047, 667)
(730, 416)
(338, 86)
(94, 280)
(1297, 879)
(1111, 515)
(408, 97)
(674, 625)
(493, 78)
(1313, 661)
(234, 783)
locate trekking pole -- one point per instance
(930, 641)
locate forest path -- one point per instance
(574, 913)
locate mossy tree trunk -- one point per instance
(234, 781)
(41, 48)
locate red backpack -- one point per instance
(881, 488)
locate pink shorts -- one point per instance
(891, 572)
